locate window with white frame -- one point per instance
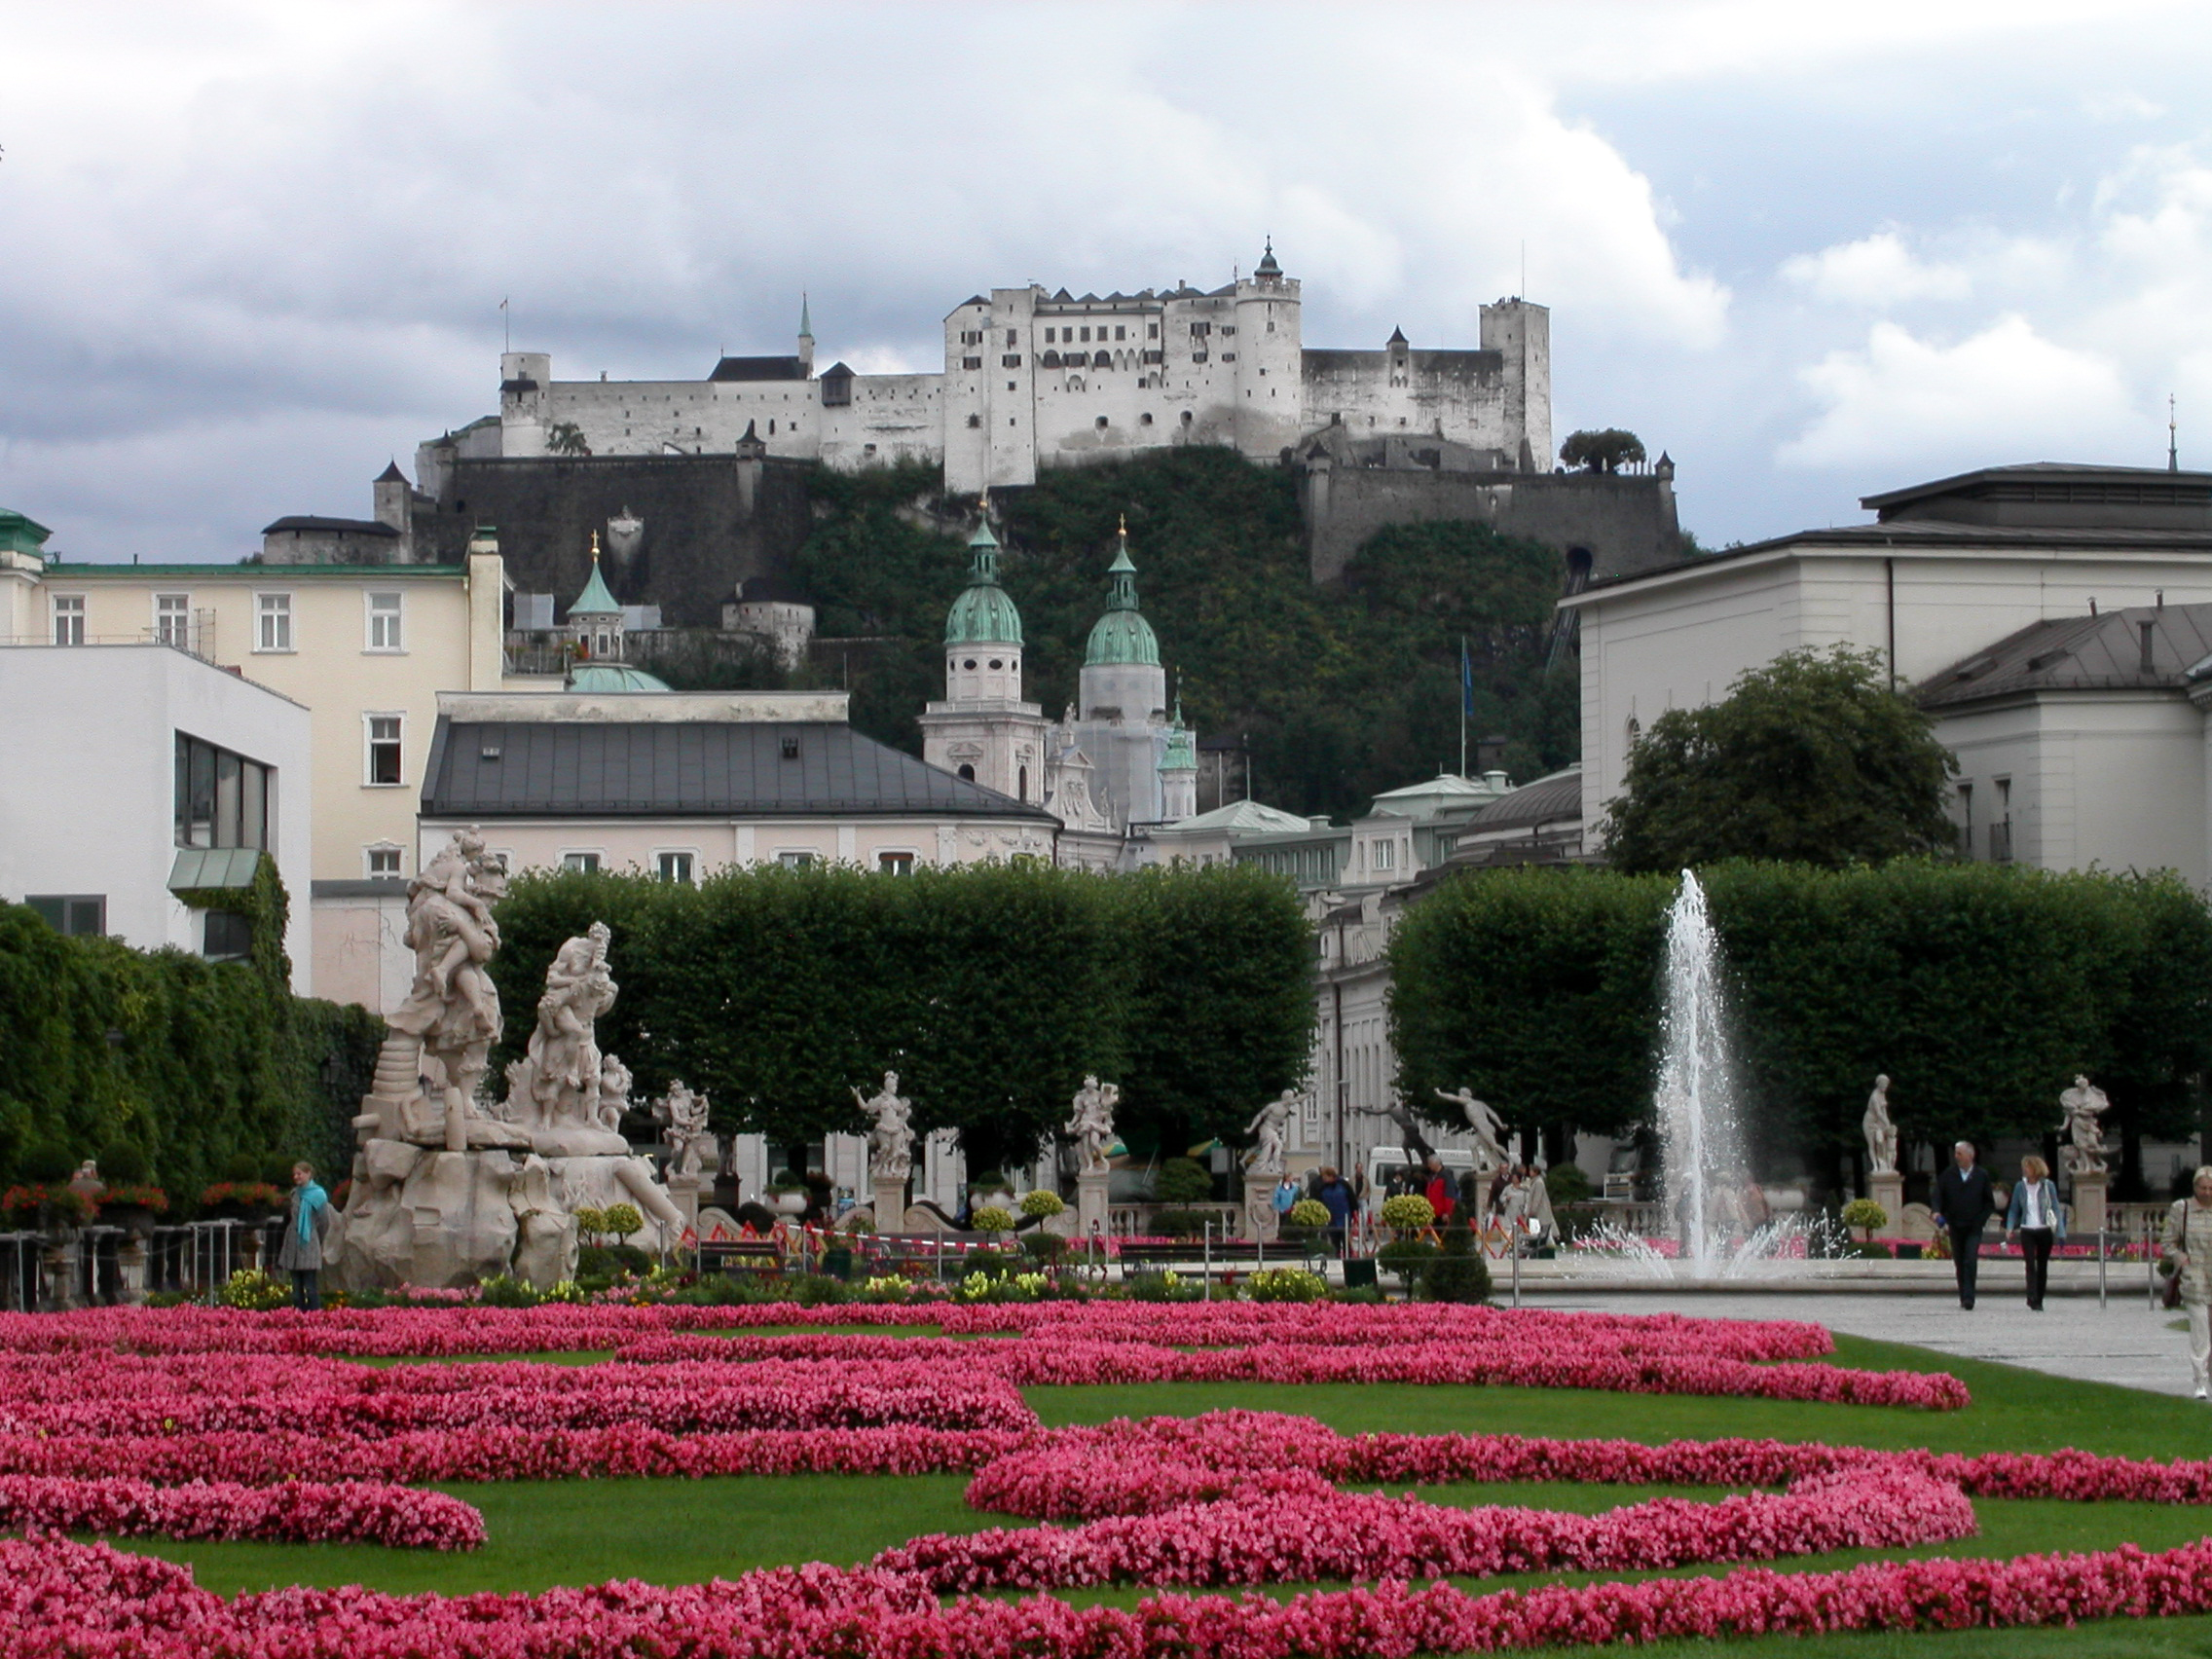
(794, 859)
(895, 864)
(1385, 852)
(383, 748)
(384, 622)
(172, 619)
(584, 863)
(674, 865)
(69, 618)
(273, 618)
(381, 857)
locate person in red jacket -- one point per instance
(1443, 1195)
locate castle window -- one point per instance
(998, 662)
(1048, 337)
(1145, 420)
(1102, 423)
(1013, 336)
(1186, 417)
(1021, 784)
(1050, 361)
(968, 771)
(1102, 360)
(971, 362)
(1271, 328)
(1009, 386)
(969, 665)
(1086, 334)
(1152, 331)
(1121, 333)
(1229, 328)
(975, 420)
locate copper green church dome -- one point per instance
(1122, 635)
(983, 615)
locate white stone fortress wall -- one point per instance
(1035, 380)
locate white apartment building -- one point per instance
(131, 773)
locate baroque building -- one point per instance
(1034, 380)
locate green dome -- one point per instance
(612, 677)
(1122, 635)
(983, 615)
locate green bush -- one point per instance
(1309, 1213)
(622, 1220)
(1406, 1258)
(1039, 1204)
(1866, 1215)
(609, 1261)
(1153, 1286)
(1565, 1184)
(1183, 1181)
(1285, 1284)
(993, 1218)
(122, 1164)
(1408, 1212)
(1179, 1223)
(252, 1289)
(46, 1163)
(1457, 1271)
(1043, 1247)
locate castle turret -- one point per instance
(595, 615)
(982, 631)
(806, 338)
(1179, 771)
(1123, 719)
(1269, 382)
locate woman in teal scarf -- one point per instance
(306, 1220)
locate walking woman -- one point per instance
(306, 1222)
(2032, 1217)
(2188, 1248)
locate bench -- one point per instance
(758, 1257)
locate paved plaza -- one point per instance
(2125, 1341)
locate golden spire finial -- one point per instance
(1124, 532)
(595, 546)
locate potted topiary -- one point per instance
(992, 1219)
(1408, 1214)
(1306, 1222)
(129, 1200)
(1042, 1203)
(1866, 1215)
(787, 1194)
(991, 1188)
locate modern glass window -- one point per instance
(172, 619)
(69, 618)
(384, 622)
(585, 862)
(383, 761)
(383, 858)
(272, 615)
(222, 800)
(81, 915)
(227, 937)
(674, 867)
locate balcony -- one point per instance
(193, 635)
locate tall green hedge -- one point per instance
(990, 988)
(193, 1061)
(1980, 991)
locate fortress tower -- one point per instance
(982, 730)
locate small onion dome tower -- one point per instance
(595, 616)
(1122, 679)
(982, 631)
(1179, 771)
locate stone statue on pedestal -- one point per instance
(1273, 1127)
(692, 1146)
(1485, 1124)
(1093, 1125)
(891, 1130)
(1881, 1132)
(445, 1194)
(2084, 1104)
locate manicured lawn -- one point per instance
(673, 1532)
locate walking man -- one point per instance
(1964, 1205)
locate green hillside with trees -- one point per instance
(1341, 692)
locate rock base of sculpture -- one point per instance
(1091, 1203)
(2089, 1217)
(424, 1216)
(1260, 1219)
(890, 1204)
(1888, 1191)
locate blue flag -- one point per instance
(1467, 680)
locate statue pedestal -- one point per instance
(683, 1189)
(1260, 1219)
(2088, 1215)
(1090, 1205)
(1888, 1191)
(889, 1205)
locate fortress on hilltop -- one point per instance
(1035, 380)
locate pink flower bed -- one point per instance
(299, 1512)
(1301, 1535)
(62, 1598)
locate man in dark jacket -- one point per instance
(1964, 1205)
(1338, 1199)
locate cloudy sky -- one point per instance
(253, 251)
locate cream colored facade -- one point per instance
(365, 648)
(714, 844)
(1679, 637)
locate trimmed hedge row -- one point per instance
(990, 988)
(1980, 989)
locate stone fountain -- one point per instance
(447, 1191)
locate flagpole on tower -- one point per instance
(1465, 686)
(507, 326)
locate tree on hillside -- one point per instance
(1811, 759)
(1606, 450)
